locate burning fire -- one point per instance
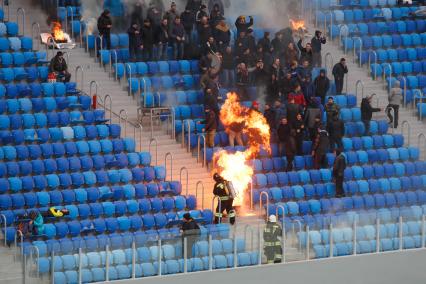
(57, 32)
(297, 24)
(235, 167)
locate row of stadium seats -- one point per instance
(147, 84)
(326, 4)
(153, 68)
(35, 90)
(16, 59)
(388, 28)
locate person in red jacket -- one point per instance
(298, 96)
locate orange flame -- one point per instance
(58, 33)
(297, 24)
(236, 167)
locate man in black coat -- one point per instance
(162, 39)
(339, 71)
(265, 42)
(147, 35)
(104, 27)
(188, 21)
(210, 127)
(305, 52)
(190, 230)
(316, 42)
(337, 131)
(367, 113)
(339, 167)
(287, 142)
(59, 66)
(135, 42)
(270, 117)
(320, 149)
(321, 85)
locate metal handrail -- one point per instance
(387, 65)
(169, 155)
(81, 32)
(415, 91)
(328, 55)
(37, 25)
(390, 109)
(22, 12)
(419, 139)
(82, 76)
(404, 124)
(359, 82)
(300, 230)
(331, 24)
(50, 43)
(219, 203)
(200, 183)
(375, 63)
(378, 235)
(267, 204)
(93, 83)
(8, 10)
(145, 90)
(37, 262)
(354, 238)
(182, 170)
(331, 240)
(129, 79)
(110, 62)
(405, 90)
(107, 97)
(4, 220)
(72, 20)
(360, 50)
(187, 122)
(345, 48)
(87, 40)
(122, 116)
(307, 254)
(201, 136)
(156, 149)
(96, 46)
(140, 127)
(21, 237)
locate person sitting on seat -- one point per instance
(36, 224)
(59, 66)
(53, 212)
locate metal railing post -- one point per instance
(401, 244)
(81, 69)
(294, 232)
(37, 38)
(344, 28)
(96, 86)
(199, 183)
(128, 78)
(110, 62)
(185, 255)
(170, 156)
(96, 47)
(328, 56)
(259, 237)
(22, 12)
(354, 240)
(80, 264)
(423, 231)
(52, 267)
(4, 220)
(283, 235)
(122, 116)
(377, 235)
(134, 260)
(359, 82)
(387, 66)
(307, 243)
(404, 124)
(203, 137)
(375, 64)
(160, 272)
(107, 263)
(264, 193)
(210, 253)
(360, 51)
(331, 240)
(419, 144)
(404, 90)
(153, 140)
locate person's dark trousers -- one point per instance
(335, 143)
(148, 53)
(393, 119)
(162, 51)
(228, 206)
(134, 52)
(190, 241)
(299, 145)
(339, 85)
(320, 161)
(106, 38)
(367, 127)
(64, 76)
(339, 186)
(313, 134)
(290, 159)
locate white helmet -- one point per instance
(272, 219)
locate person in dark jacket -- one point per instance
(147, 35)
(215, 15)
(163, 39)
(251, 40)
(222, 35)
(194, 6)
(316, 42)
(242, 81)
(321, 85)
(171, 15)
(313, 118)
(287, 86)
(339, 71)
(293, 110)
(104, 27)
(305, 52)
(299, 127)
(320, 149)
(216, 4)
(135, 43)
(265, 42)
(331, 109)
(210, 127)
(260, 75)
(204, 31)
(137, 13)
(241, 24)
(367, 113)
(278, 46)
(287, 142)
(59, 66)
(191, 231)
(178, 38)
(270, 117)
(188, 22)
(228, 68)
(276, 75)
(336, 131)
(201, 13)
(339, 167)
(209, 46)
(155, 16)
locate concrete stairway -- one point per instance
(375, 87)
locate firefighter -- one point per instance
(225, 200)
(272, 244)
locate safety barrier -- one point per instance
(202, 137)
(21, 11)
(153, 140)
(170, 157)
(36, 39)
(199, 183)
(81, 69)
(248, 228)
(122, 116)
(264, 193)
(184, 170)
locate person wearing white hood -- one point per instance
(272, 243)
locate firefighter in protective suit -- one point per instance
(272, 244)
(225, 200)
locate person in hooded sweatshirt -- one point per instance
(339, 167)
(321, 85)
